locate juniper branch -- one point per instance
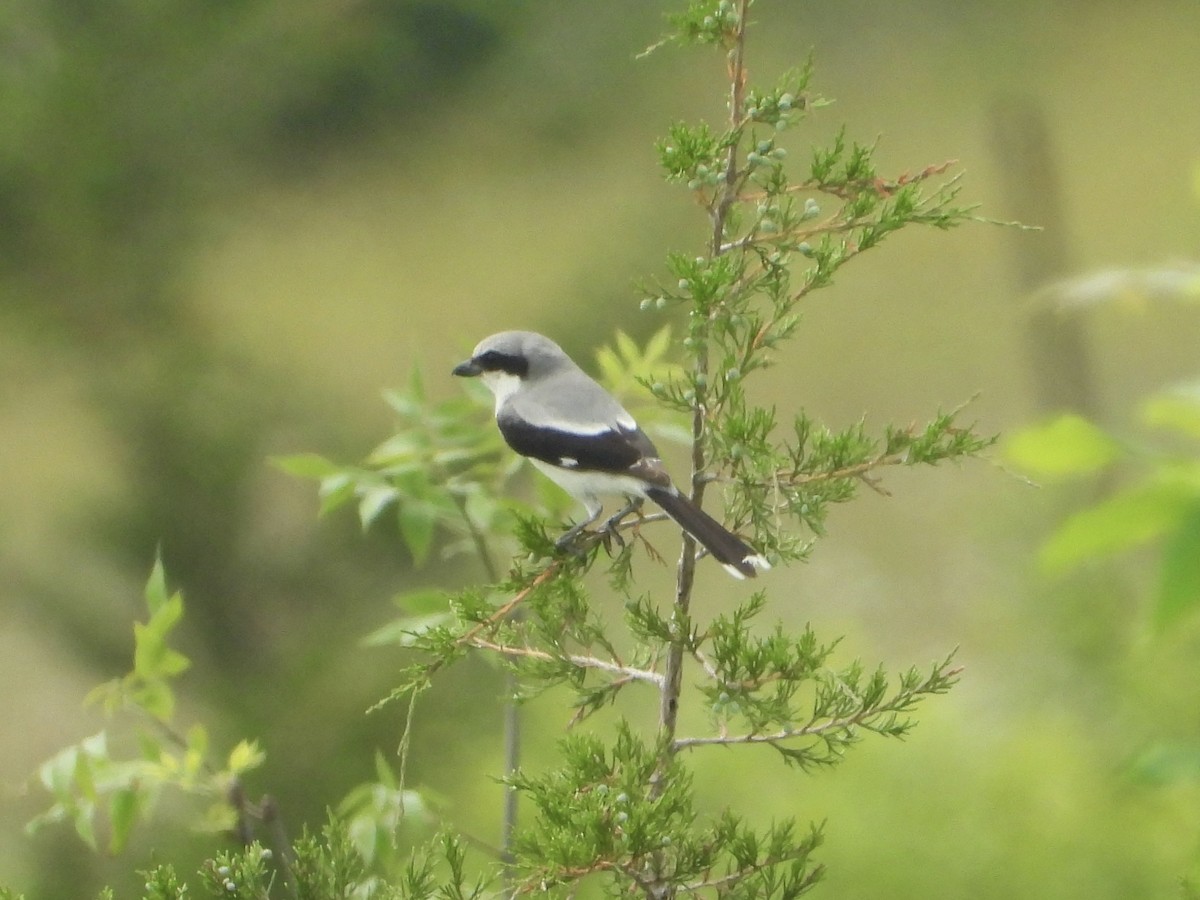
(504, 611)
(628, 673)
(719, 212)
(940, 680)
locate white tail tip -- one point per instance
(759, 562)
(755, 561)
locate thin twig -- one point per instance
(791, 478)
(512, 761)
(478, 540)
(878, 185)
(776, 737)
(709, 669)
(832, 225)
(740, 875)
(686, 572)
(512, 712)
(579, 660)
(502, 612)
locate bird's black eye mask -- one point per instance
(495, 361)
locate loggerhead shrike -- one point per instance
(579, 436)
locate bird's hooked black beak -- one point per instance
(468, 369)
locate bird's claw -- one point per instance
(609, 532)
(611, 528)
(610, 535)
(568, 543)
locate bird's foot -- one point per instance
(610, 537)
(611, 527)
(612, 522)
(570, 539)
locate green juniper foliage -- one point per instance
(615, 812)
(622, 811)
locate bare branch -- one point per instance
(629, 673)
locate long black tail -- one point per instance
(727, 548)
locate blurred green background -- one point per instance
(225, 228)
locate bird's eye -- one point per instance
(495, 361)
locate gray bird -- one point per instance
(580, 437)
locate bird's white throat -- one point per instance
(502, 385)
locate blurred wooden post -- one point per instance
(1056, 344)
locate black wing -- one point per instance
(617, 451)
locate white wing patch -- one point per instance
(568, 462)
(546, 419)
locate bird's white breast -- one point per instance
(587, 486)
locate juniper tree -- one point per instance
(619, 807)
(623, 809)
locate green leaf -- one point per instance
(156, 698)
(627, 347)
(245, 756)
(172, 663)
(109, 696)
(482, 508)
(156, 586)
(374, 501)
(167, 614)
(336, 490)
(197, 748)
(383, 772)
(305, 465)
(95, 746)
(152, 658)
(147, 648)
(416, 527)
(1125, 520)
(1179, 588)
(123, 809)
(60, 774)
(1177, 408)
(658, 345)
(400, 447)
(85, 826)
(218, 818)
(1068, 445)
(611, 370)
(422, 602)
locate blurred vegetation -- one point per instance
(181, 187)
(1147, 487)
(125, 127)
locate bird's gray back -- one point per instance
(569, 397)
